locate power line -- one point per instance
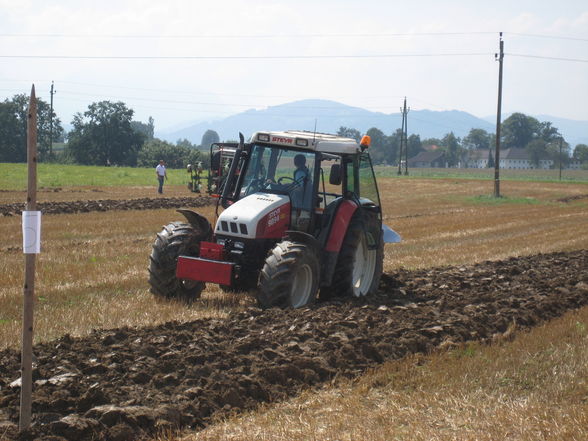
(548, 58)
(293, 36)
(240, 36)
(554, 37)
(237, 57)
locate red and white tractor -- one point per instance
(302, 219)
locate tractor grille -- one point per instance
(233, 227)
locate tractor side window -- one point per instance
(329, 192)
(350, 176)
(368, 188)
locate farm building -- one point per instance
(429, 159)
(509, 159)
(478, 158)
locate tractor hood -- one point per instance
(260, 215)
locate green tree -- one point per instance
(103, 135)
(581, 153)
(548, 133)
(537, 149)
(518, 130)
(414, 145)
(12, 138)
(209, 137)
(431, 141)
(491, 162)
(384, 149)
(559, 152)
(147, 130)
(175, 156)
(452, 146)
(477, 139)
(186, 143)
(348, 132)
(13, 129)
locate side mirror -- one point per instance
(335, 177)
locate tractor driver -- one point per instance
(301, 174)
(301, 195)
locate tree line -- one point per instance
(106, 134)
(540, 138)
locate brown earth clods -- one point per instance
(130, 383)
(108, 204)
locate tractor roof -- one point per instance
(320, 142)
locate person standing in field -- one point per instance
(161, 175)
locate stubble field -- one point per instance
(92, 275)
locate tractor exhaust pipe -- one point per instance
(230, 179)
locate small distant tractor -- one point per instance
(302, 220)
(221, 157)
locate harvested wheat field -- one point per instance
(472, 274)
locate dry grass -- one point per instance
(92, 274)
(534, 388)
(446, 222)
(92, 269)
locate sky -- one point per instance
(179, 61)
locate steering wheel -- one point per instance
(286, 178)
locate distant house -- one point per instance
(575, 165)
(477, 158)
(430, 159)
(520, 159)
(509, 159)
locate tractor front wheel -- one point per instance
(175, 239)
(290, 276)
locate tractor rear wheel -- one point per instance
(360, 261)
(290, 276)
(176, 238)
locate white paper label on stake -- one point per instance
(31, 232)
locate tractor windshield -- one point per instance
(280, 171)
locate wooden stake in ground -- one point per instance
(31, 246)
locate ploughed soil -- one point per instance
(129, 383)
(62, 207)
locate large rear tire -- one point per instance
(290, 276)
(360, 261)
(176, 238)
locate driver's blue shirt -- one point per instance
(301, 174)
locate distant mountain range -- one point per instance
(329, 116)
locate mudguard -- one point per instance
(390, 236)
(198, 221)
(305, 238)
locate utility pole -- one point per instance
(51, 123)
(500, 58)
(401, 144)
(405, 112)
(560, 157)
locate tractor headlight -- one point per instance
(221, 242)
(239, 245)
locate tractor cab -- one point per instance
(302, 214)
